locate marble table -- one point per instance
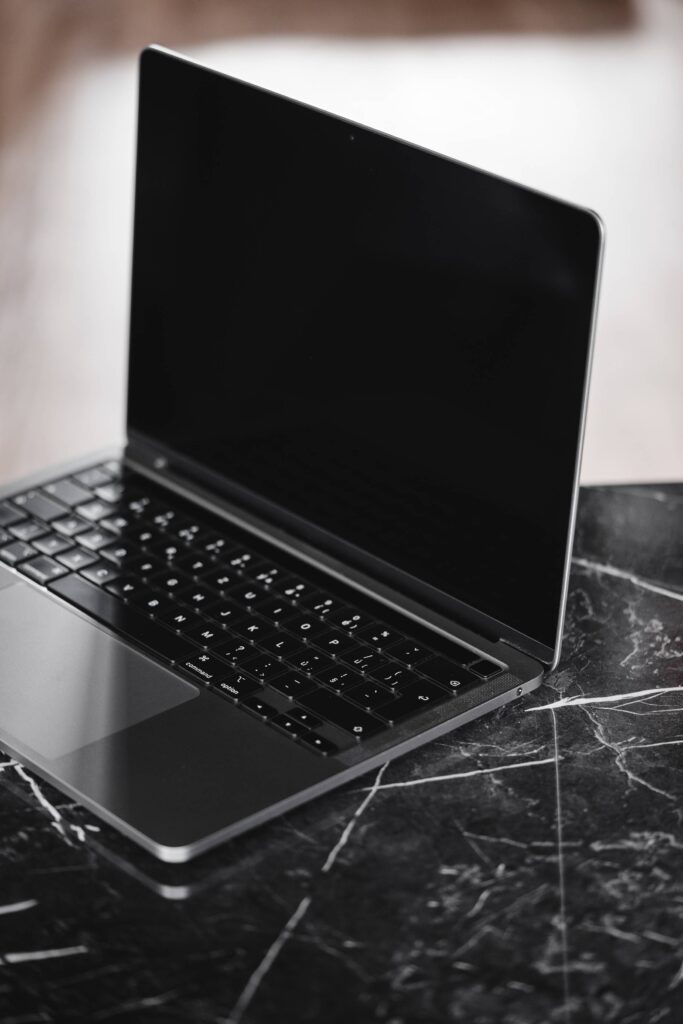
(526, 869)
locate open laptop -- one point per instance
(342, 521)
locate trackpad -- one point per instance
(65, 683)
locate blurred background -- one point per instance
(580, 98)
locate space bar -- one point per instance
(113, 613)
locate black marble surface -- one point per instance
(527, 869)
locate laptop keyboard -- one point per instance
(289, 647)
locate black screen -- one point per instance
(388, 344)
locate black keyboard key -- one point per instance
(320, 604)
(33, 503)
(248, 597)
(214, 545)
(122, 618)
(205, 634)
(77, 559)
(275, 610)
(304, 717)
(349, 620)
(341, 713)
(43, 569)
(94, 540)
(218, 579)
(334, 642)
(379, 636)
(205, 667)
(364, 659)
(486, 669)
(234, 650)
(263, 667)
(94, 477)
(292, 685)
(196, 565)
(9, 515)
(27, 530)
(153, 602)
(282, 645)
(320, 744)
(393, 675)
(368, 695)
(307, 627)
(245, 561)
(269, 576)
(252, 628)
(68, 492)
(168, 551)
(447, 673)
(116, 524)
(16, 552)
(261, 708)
(188, 531)
(338, 678)
(120, 553)
(170, 582)
(180, 619)
(70, 526)
(236, 687)
(95, 510)
(408, 652)
(414, 699)
(309, 660)
(125, 587)
(294, 589)
(224, 612)
(100, 573)
(52, 544)
(289, 725)
(145, 566)
(197, 596)
(145, 536)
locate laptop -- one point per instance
(342, 520)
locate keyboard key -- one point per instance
(307, 627)
(268, 577)
(304, 717)
(364, 659)
(145, 536)
(447, 673)
(338, 678)
(245, 561)
(485, 669)
(379, 636)
(341, 713)
(293, 588)
(214, 545)
(100, 573)
(408, 652)
(94, 477)
(95, 510)
(16, 552)
(263, 667)
(27, 530)
(52, 544)
(335, 642)
(33, 503)
(320, 604)
(309, 661)
(180, 619)
(5, 537)
(234, 650)
(224, 612)
(116, 524)
(275, 610)
(120, 553)
(68, 492)
(197, 596)
(349, 620)
(125, 587)
(95, 539)
(197, 565)
(368, 695)
(122, 617)
(109, 492)
(9, 515)
(288, 725)
(414, 699)
(393, 675)
(205, 667)
(282, 645)
(217, 579)
(145, 565)
(70, 526)
(236, 687)
(320, 744)
(249, 597)
(166, 550)
(204, 634)
(292, 685)
(153, 602)
(43, 569)
(259, 707)
(252, 628)
(170, 581)
(77, 559)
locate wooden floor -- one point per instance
(583, 98)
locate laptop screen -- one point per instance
(387, 345)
